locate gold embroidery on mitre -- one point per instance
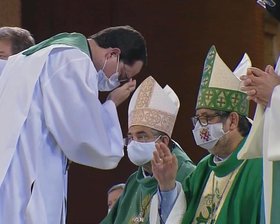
(145, 93)
(153, 118)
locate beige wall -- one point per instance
(10, 13)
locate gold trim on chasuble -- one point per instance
(213, 197)
(144, 210)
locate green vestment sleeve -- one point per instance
(139, 190)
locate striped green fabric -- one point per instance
(71, 39)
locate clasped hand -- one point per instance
(259, 84)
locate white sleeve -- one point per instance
(177, 213)
(272, 123)
(88, 132)
(2, 65)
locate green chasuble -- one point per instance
(134, 203)
(228, 193)
(71, 39)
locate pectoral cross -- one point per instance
(138, 219)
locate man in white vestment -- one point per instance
(263, 87)
(50, 114)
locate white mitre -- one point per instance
(153, 106)
(242, 67)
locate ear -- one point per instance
(165, 139)
(234, 120)
(112, 52)
(116, 51)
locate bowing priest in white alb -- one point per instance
(50, 113)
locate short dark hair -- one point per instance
(244, 124)
(131, 43)
(20, 38)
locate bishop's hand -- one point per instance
(164, 166)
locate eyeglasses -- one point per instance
(204, 119)
(140, 138)
(263, 3)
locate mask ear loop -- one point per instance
(158, 138)
(118, 60)
(223, 121)
(167, 140)
(104, 64)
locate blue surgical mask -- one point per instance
(105, 83)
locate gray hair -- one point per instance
(115, 187)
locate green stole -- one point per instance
(134, 202)
(242, 202)
(71, 39)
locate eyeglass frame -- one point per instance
(196, 118)
(128, 139)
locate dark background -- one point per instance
(178, 34)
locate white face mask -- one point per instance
(140, 153)
(208, 136)
(105, 83)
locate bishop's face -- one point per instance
(213, 127)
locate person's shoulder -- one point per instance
(204, 161)
(68, 51)
(178, 151)
(64, 55)
(185, 164)
(131, 183)
(255, 163)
